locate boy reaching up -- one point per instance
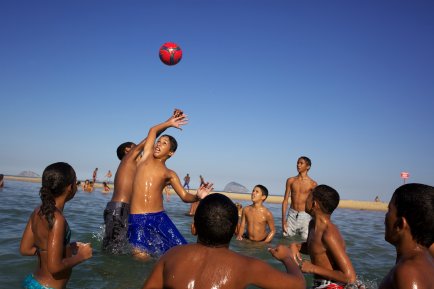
(329, 263)
(257, 218)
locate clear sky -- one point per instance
(349, 84)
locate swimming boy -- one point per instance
(329, 262)
(258, 218)
(150, 231)
(410, 229)
(298, 188)
(117, 210)
(214, 264)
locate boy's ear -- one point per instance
(171, 154)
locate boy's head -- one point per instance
(165, 146)
(413, 204)
(326, 197)
(259, 192)
(215, 220)
(123, 149)
(304, 161)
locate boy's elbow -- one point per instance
(27, 251)
(351, 277)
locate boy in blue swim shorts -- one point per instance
(150, 230)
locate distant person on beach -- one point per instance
(89, 187)
(167, 191)
(85, 185)
(1, 180)
(109, 176)
(329, 263)
(150, 230)
(214, 264)
(296, 221)
(118, 209)
(94, 175)
(259, 219)
(377, 199)
(47, 234)
(105, 187)
(409, 226)
(187, 182)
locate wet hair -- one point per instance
(264, 190)
(173, 142)
(55, 178)
(327, 197)
(215, 220)
(120, 151)
(307, 160)
(415, 202)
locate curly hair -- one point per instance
(55, 179)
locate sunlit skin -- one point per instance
(152, 175)
(56, 260)
(325, 247)
(257, 218)
(298, 188)
(414, 267)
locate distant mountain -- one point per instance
(234, 187)
(28, 174)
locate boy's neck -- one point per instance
(303, 175)
(258, 204)
(407, 248)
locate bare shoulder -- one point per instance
(409, 274)
(332, 235)
(313, 183)
(268, 212)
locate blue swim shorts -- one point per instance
(31, 283)
(154, 233)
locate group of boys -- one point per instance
(136, 210)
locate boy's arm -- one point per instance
(344, 272)
(186, 197)
(270, 222)
(27, 245)
(285, 203)
(242, 225)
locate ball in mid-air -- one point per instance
(170, 53)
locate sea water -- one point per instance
(363, 231)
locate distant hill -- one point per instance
(234, 187)
(28, 174)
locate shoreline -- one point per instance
(343, 204)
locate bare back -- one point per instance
(150, 179)
(124, 178)
(199, 266)
(300, 189)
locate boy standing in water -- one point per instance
(298, 188)
(118, 209)
(258, 218)
(215, 265)
(47, 234)
(410, 229)
(329, 262)
(150, 230)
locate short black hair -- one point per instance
(327, 197)
(264, 190)
(215, 220)
(307, 160)
(121, 149)
(173, 142)
(415, 202)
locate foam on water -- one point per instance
(363, 232)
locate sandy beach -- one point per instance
(346, 204)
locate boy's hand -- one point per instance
(177, 112)
(306, 267)
(204, 190)
(295, 253)
(239, 238)
(280, 252)
(84, 250)
(178, 121)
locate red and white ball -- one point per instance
(170, 53)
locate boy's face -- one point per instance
(302, 166)
(162, 147)
(257, 195)
(390, 222)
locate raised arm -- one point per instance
(57, 263)
(285, 203)
(185, 196)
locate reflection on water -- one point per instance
(363, 232)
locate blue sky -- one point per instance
(349, 84)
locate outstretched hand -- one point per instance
(204, 190)
(178, 121)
